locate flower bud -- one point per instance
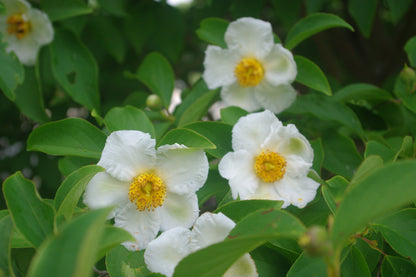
(408, 77)
(154, 102)
(315, 241)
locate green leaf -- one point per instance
(312, 24)
(376, 148)
(399, 230)
(410, 48)
(368, 166)
(112, 238)
(361, 91)
(398, 8)
(333, 191)
(69, 164)
(199, 108)
(114, 7)
(306, 266)
(32, 216)
(248, 234)
(187, 137)
(269, 262)
(128, 118)
(363, 13)
(247, 8)
(374, 196)
(288, 12)
(189, 97)
(217, 132)
(355, 265)
(75, 68)
(124, 263)
(397, 267)
(237, 210)
(212, 30)
(29, 97)
(69, 193)
(404, 91)
(12, 72)
(231, 115)
(215, 185)
(157, 74)
(73, 251)
(71, 136)
(6, 227)
(58, 10)
(318, 154)
(311, 75)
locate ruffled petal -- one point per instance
(296, 167)
(105, 191)
(243, 267)
(243, 97)
(127, 154)
(275, 98)
(250, 37)
(219, 67)
(166, 251)
(238, 168)
(26, 49)
(250, 131)
(279, 65)
(42, 30)
(184, 170)
(210, 228)
(179, 211)
(143, 226)
(297, 191)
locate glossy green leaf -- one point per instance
(214, 186)
(376, 148)
(75, 68)
(198, 90)
(306, 266)
(12, 72)
(363, 13)
(157, 74)
(217, 132)
(373, 196)
(410, 48)
(29, 97)
(71, 136)
(398, 8)
(231, 115)
(128, 118)
(187, 137)
(58, 10)
(333, 191)
(71, 252)
(312, 24)
(212, 30)
(31, 215)
(237, 210)
(199, 108)
(111, 238)
(361, 91)
(69, 193)
(69, 164)
(399, 230)
(6, 227)
(318, 154)
(354, 265)
(404, 91)
(397, 267)
(368, 166)
(248, 234)
(269, 262)
(311, 75)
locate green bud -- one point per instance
(315, 241)
(154, 102)
(408, 77)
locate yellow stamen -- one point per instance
(249, 72)
(147, 191)
(270, 166)
(18, 26)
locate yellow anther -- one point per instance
(249, 72)
(147, 191)
(18, 26)
(270, 166)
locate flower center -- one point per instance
(18, 26)
(270, 166)
(249, 72)
(147, 191)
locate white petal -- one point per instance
(219, 67)
(250, 36)
(15, 6)
(127, 154)
(296, 167)
(104, 191)
(275, 98)
(210, 228)
(251, 130)
(26, 49)
(179, 211)
(238, 168)
(184, 170)
(243, 97)
(279, 65)
(166, 251)
(297, 191)
(42, 30)
(143, 226)
(243, 267)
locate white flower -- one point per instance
(25, 30)
(165, 252)
(253, 72)
(151, 189)
(270, 161)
